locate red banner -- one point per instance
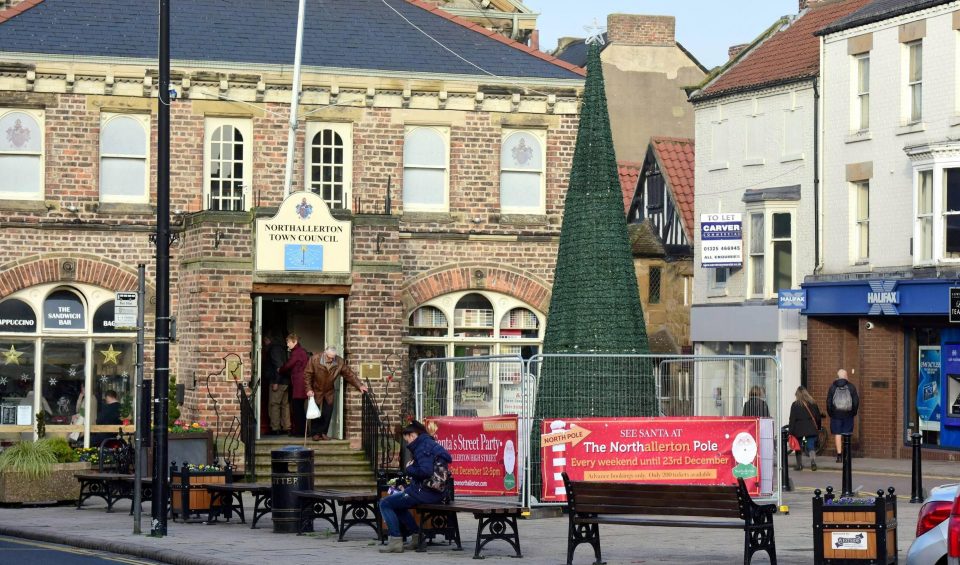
(484, 452)
(699, 451)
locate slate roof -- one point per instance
(629, 174)
(789, 55)
(351, 34)
(575, 52)
(879, 10)
(676, 158)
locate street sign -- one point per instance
(954, 305)
(125, 310)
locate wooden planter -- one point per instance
(188, 489)
(60, 485)
(851, 533)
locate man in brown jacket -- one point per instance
(319, 377)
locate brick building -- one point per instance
(445, 179)
(879, 306)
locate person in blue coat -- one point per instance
(395, 508)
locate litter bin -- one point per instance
(291, 470)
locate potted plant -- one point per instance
(40, 471)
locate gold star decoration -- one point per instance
(12, 356)
(110, 355)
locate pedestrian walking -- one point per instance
(805, 426)
(272, 359)
(843, 403)
(293, 370)
(756, 405)
(319, 377)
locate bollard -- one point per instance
(785, 483)
(916, 483)
(847, 458)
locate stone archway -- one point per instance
(477, 276)
(65, 268)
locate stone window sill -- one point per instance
(753, 162)
(429, 217)
(27, 205)
(911, 128)
(790, 158)
(858, 136)
(718, 166)
(126, 208)
(523, 219)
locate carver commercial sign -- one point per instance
(721, 240)
(303, 236)
(701, 450)
(484, 452)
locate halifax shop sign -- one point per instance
(879, 297)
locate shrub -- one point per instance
(32, 458)
(62, 450)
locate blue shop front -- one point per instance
(867, 322)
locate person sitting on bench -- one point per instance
(395, 508)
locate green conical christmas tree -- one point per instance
(595, 307)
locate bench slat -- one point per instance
(725, 502)
(659, 511)
(627, 521)
(691, 491)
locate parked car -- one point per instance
(938, 512)
(953, 534)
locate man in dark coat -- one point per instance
(841, 419)
(319, 378)
(272, 358)
(395, 508)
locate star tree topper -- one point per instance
(595, 33)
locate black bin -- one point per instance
(291, 469)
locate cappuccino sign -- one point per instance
(303, 236)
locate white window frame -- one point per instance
(144, 121)
(541, 207)
(753, 135)
(245, 127)
(717, 283)
(767, 256)
(861, 93)
(38, 116)
(919, 217)
(913, 85)
(719, 141)
(444, 132)
(345, 131)
(793, 113)
(860, 197)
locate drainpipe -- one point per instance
(816, 178)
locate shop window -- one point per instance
(124, 166)
(473, 317)
(227, 167)
(330, 159)
(63, 375)
(428, 321)
(16, 382)
(16, 316)
(519, 323)
(425, 162)
(114, 366)
(522, 158)
(21, 155)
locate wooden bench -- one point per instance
(112, 487)
(227, 500)
(495, 521)
(593, 503)
(356, 507)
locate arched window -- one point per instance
(21, 155)
(228, 164)
(329, 163)
(123, 158)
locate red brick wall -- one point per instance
(641, 30)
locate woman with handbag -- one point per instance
(429, 459)
(805, 426)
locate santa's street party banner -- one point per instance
(484, 452)
(698, 451)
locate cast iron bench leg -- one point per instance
(261, 507)
(500, 527)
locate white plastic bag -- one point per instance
(313, 411)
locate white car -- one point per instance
(939, 519)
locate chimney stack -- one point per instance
(535, 39)
(735, 50)
(631, 29)
(804, 4)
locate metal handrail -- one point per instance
(377, 439)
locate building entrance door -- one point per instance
(317, 321)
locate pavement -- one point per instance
(543, 540)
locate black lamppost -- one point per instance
(161, 366)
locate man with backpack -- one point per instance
(843, 403)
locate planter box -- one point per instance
(59, 485)
(850, 533)
(189, 498)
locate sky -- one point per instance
(706, 28)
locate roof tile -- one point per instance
(791, 54)
(629, 174)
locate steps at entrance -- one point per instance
(335, 464)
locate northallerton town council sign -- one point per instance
(303, 236)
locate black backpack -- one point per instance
(441, 477)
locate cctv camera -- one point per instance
(869, 325)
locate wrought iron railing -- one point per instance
(379, 440)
